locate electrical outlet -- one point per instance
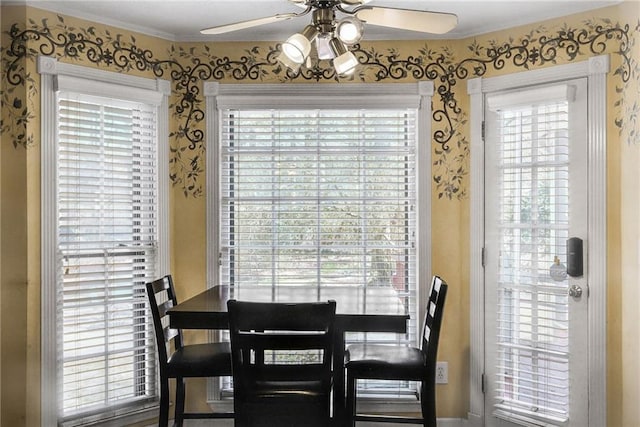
(442, 372)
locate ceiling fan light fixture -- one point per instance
(287, 62)
(345, 64)
(349, 30)
(345, 61)
(323, 47)
(298, 46)
(332, 37)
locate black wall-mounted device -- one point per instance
(574, 257)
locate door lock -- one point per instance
(575, 291)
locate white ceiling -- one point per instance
(181, 20)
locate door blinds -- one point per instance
(321, 199)
(106, 223)
(533, 324)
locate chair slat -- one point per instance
(170, 333)
(265, 341)
(164, 307)
(160, 285)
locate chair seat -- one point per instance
(385, 362)
(201, 360)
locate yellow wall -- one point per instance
(14, 253)
(612, 30)
(628, 377)
(1, 281)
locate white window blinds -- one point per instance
(322, 199)
(106, 236)
(532, 354)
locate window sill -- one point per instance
(132, 416)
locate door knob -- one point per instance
(575, 291)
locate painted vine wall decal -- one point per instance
(189, 67)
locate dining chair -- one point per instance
(392, 362)
(182, 361)
(281, 359)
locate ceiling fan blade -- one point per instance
(220, 29)
(407, 19)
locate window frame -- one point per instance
(342, 95)
(89, 81)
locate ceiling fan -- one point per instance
(332, 36)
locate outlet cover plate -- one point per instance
(442, 372)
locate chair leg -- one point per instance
(351, 400)
(179, 411)
(428, 404)
(163, 418)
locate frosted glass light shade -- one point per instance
(324, 48)
(345, 63)
(284, 59)
(349, 30)
(298, 46)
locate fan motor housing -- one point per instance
(323, 4)
(323, 19)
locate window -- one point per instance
(321, 198)
(106, 243)
(105, 233)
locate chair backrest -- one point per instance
(433, 321)
(162, 290)
(265, 338)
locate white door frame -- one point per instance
(595, 69)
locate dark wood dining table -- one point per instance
(358, 309)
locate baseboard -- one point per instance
(474, 420)
(442, 422)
